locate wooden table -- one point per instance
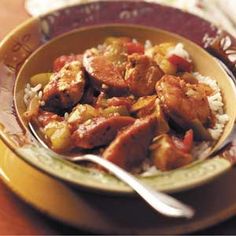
(15, 216)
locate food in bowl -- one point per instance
(141, 106)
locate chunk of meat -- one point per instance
(183, 102)
(188, 78)
(166, 156)
(131, 145)
(65, 88)
(103, 71)
(150, 105)
(141, 75)
(99, 131)
(153, 108)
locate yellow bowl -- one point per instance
(77, 41)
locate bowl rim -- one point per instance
(86, 186)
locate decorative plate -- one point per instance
(20, 44)
(99, 214)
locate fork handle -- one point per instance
(161, 202)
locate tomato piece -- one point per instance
(46, 117)
(178, 143)
(188, 140)
(182, 64)
(62, 60)
(134, 47)
(186, 144)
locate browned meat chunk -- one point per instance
(130, 147)
(99, 131)
(166, 156)
(183, 102)
(103, 71)
(141, 75)
(149, 105)
(65, 88)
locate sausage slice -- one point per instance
(99, 131)
(65, 88)
(130, 147)
(103, 71)
(141, 74)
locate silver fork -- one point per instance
(161, 202)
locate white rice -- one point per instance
(216, 105)
(31, 92)
(147, 45)
(66, 115)
(179, 51)
(152, 170)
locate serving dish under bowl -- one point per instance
(36, 32)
